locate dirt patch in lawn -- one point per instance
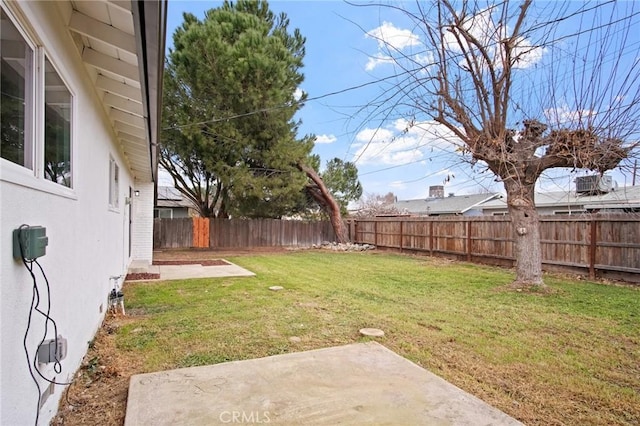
(98, 394)
(141, 276)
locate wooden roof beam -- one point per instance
(92, 28)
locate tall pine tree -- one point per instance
(229, 138)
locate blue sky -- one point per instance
(342, 52)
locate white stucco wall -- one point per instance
(88, 241)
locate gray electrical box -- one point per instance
(52, 350)
(32, 239)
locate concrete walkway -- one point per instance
(363, 383)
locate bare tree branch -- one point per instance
(525, 88)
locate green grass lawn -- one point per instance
(569, 357)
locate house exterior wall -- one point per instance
(560, 209)
(181, 213)
(172, 212)
(546, 210)
(142, 226)
(88, 239)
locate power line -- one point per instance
(409, 74)
(315, 98)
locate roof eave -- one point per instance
(479, 203)
(150, 23)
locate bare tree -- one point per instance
(524, 87)
(376, 205)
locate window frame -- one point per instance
(31, 119)
(114, 184)
(41, 161)
(568, 212)
(33, 177)
(161, 210)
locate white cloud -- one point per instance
(388, 35)
(526, 54)
(374, 135)
(424, 59)
(480, 26)
(491, 33)
(489, 30)
(297, 95)
(565, 116)
(374, 61)
(390, 39)
(432, 134)
(402, 142)
(381, 151)
(326, 139)
(401, 124)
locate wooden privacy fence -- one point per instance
(599, 244)
(238, 233)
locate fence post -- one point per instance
(468, 240)
(375, 233)
(212, 233)
(431, 238)
(401, 223)
(355, 232)
(156, 233)
(592, 247)
(194, 231)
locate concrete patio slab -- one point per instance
(182, 272)
(188, 271)
(363, 383)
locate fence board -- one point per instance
(200, 232)
(618, 243)
(589, 242)
(249, 233)
(595, 243)
(172, 233)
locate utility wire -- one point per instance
(408, 72)
(315, 98)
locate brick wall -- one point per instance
(142, 226)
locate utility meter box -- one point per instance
(33, 240)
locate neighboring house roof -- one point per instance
(622, 197)
(122, 45)
(170, 197)
(458, 204)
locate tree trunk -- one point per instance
(327, 200)
(525, 225)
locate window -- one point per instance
(163, 213)
(17, 104)
(36, 109)
(569, 212)
(114, 171)
(57, 131)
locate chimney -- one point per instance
(436, 191)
